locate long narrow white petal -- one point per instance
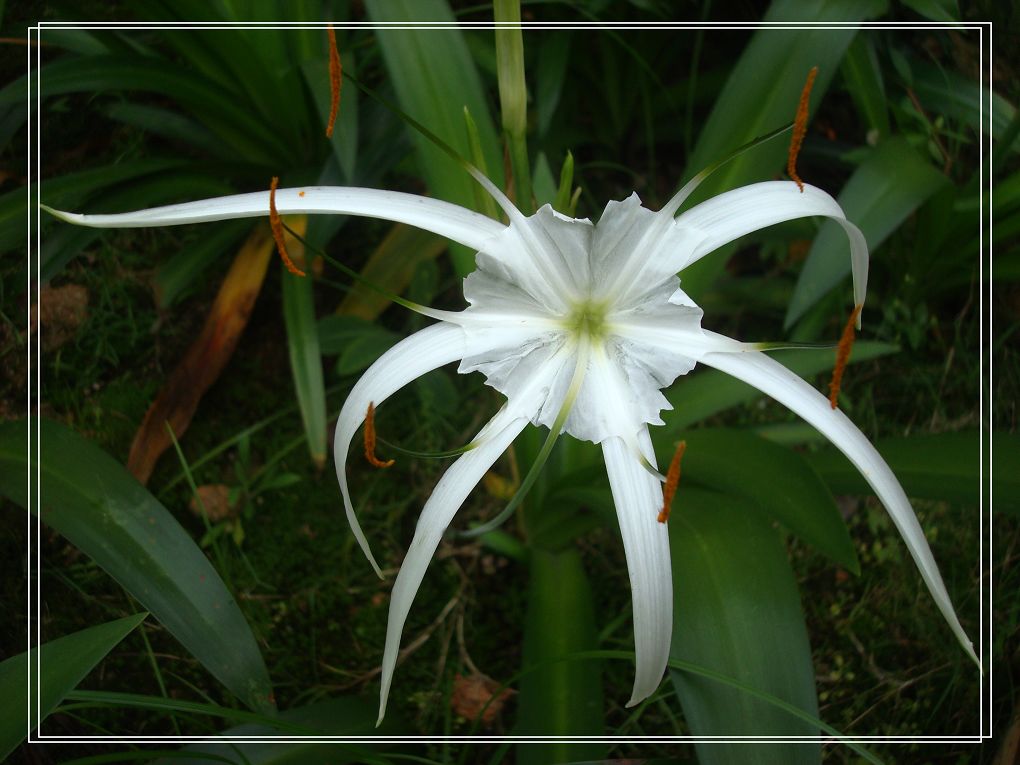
(638, 498)
(691, 342)
(730, 215)
(409, 359)
(456, 223)
(771, 377)
(446, 499)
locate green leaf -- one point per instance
(99, 507)
(882, 193)
(168, 704)
(342, 716)
(64, 663)
(863, 77)
(776, 479)
(762, 94)
(167, 123)
(936, 10)
(358, 342)
(213, 103)
(737, 612)
(564, 699)
(66, 241)
(946, 92)
(708, 391)
(217, 244)
(543, 183)
(946, 466)
(553, 57)
(435, 78)
(68, 191)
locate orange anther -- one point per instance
(335, 80)
(277, 226)
(301, 193)
(846, 343)
(672, 481)
(799, 129)
(370, 440)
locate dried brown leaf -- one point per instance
(208, 355)
(215, 499)
(472, 693)
(59, 314)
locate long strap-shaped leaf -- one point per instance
(738, 613)
(94, 502)
(761, 92)
(566, 698)
(435, 78)
(882, 192)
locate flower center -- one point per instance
(586, 319)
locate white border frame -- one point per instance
(34, 365)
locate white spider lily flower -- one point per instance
(580, 326)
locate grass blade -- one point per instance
(303, 345)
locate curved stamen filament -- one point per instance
(370, 440)
(672, 481)
(429, 455)
(666, 215)
(513, 214)
(688, 188)
(432, 313)
(276, 224)
(799, 129)
(846, 344)
(554, 432)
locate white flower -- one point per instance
(580, 326)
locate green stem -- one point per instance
(517, 145)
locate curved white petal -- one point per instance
(771, 377)
(409, 359)
(456, 223)
(732, 214)
(446, 499)
(638, 498)
(692, 343)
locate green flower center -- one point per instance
(587, 319)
